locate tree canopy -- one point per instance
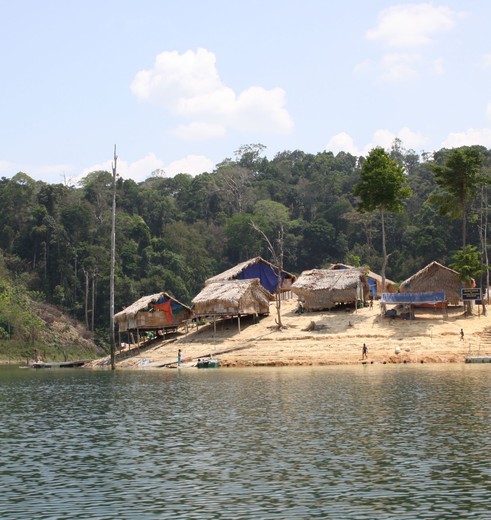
(174, 233)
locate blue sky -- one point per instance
(180, 86)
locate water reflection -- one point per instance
(333, 442)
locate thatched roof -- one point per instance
(369, 274)
(324, 288)
(142, 305)
(232, 297)
(235, 272)
(435, 277)
(327, 279)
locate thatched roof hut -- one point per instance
(324, 288)
(435, 277)
(374, 281)
(153, 312)
(232, 298)
(258, 268)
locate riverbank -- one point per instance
(323, 338)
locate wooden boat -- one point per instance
(208, 363)
(63, 364)
(478, 359)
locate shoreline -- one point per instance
(323, 338)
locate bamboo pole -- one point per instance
(113, 263)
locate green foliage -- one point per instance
(174, 233)
(467, 261)
(458, 180)
(459, 176)
(353, 260)
(383, 185)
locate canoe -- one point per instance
(208, 363)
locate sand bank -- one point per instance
(326, 338)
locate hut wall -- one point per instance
(231, 308)
(158, 319)
(438, 281)
(327, 299)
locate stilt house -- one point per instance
(433, 278)
(324, 288)
(374, 281)
(258, 268)
(229, 298)
(152, 313)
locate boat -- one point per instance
(478, 359)
(63, 364)
(208, 363)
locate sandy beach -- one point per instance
(323, 338)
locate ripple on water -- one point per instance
(342, 442)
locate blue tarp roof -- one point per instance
(426, 297)
(266, 274)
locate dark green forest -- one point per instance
(174, 233)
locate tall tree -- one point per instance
(459, 178)
(467, 261)
(383, 188)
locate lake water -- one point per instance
(364, 442)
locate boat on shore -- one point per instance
(478, 359)
(62, 364)
(208, 363)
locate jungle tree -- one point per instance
(459, 178)
(383, 188)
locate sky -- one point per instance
(180, 86)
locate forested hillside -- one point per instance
(173, 233)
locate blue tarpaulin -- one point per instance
(372, 284)
(266, 274)
(426, 297)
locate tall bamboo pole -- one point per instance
(113, 263)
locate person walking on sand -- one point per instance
(364, 351)
(461, 334)
(179, 357)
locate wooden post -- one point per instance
(113, 263)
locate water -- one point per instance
(364, 442)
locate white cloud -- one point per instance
(408, 27)
(343, 142)
(363, 67)
(472, 136)
(399, 67)
(189, 85)
(143, 168)
(411, 25)
(199, 130)
(138, 170)
(58, 173)
(258, 109)
(410, 140)
(192, 164)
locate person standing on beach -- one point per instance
(364, 351)
(461, 334)
(179, 357)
